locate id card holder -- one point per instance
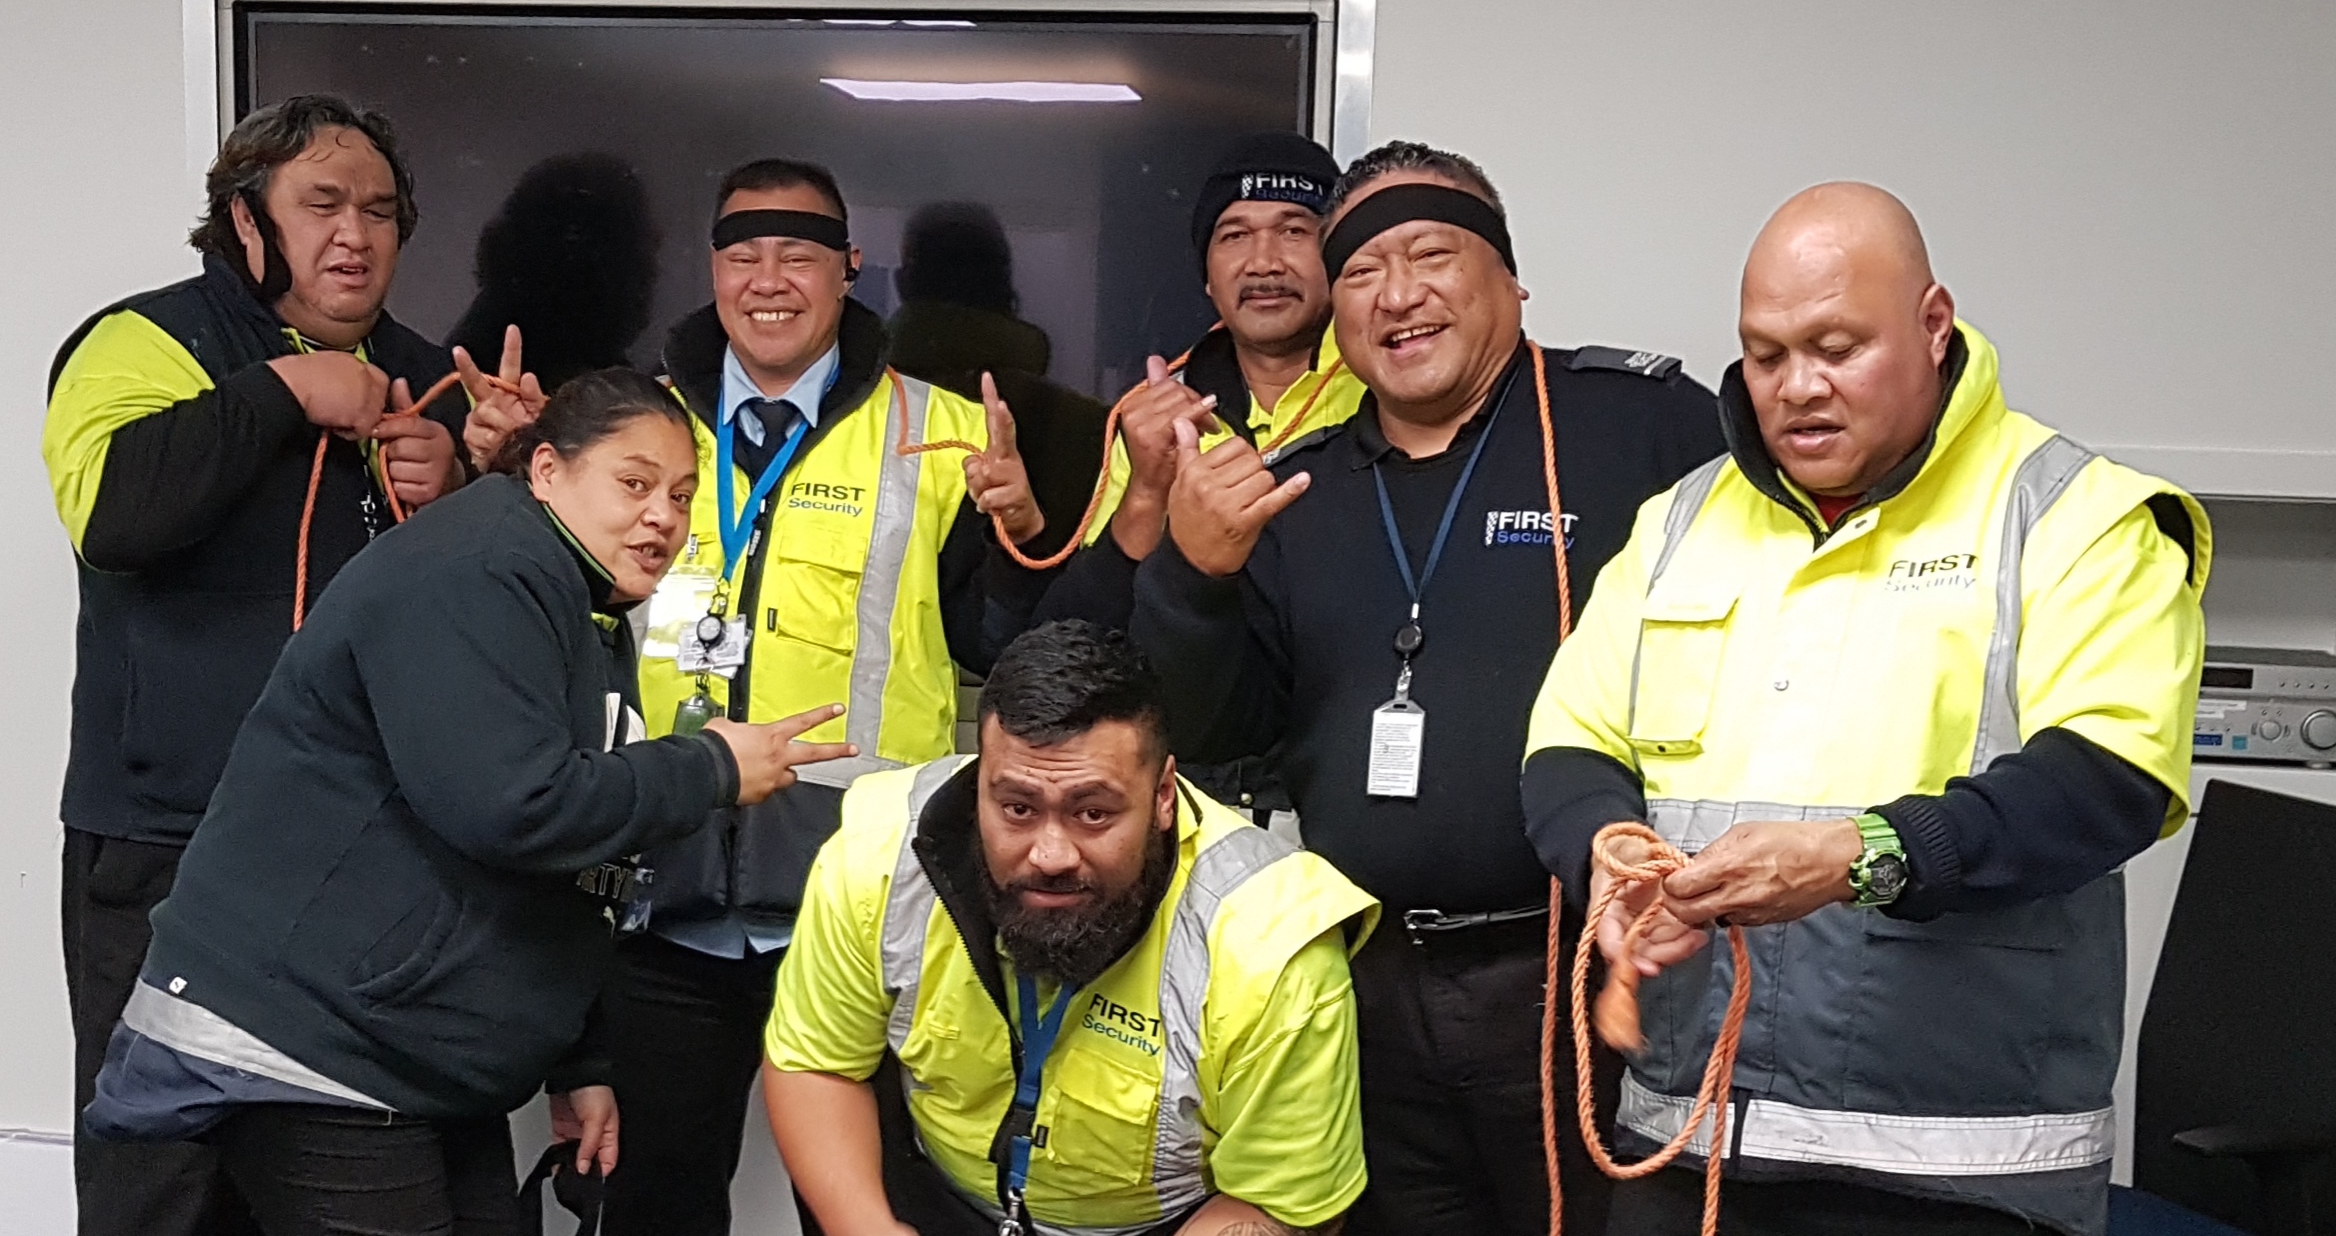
(721, 657)
(685, 595)
(1399, 731)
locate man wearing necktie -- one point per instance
(823, 565)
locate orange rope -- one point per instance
(1102, 476)
(1617, 1010)
(397, 510)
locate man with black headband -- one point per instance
(218, 450)
(1119, 1008)
(1381, 604)
(823, 564)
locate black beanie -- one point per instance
(1264, 167)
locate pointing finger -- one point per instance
(1283, 495)
(797, 753)
(803, 722)
(1155, 370)
(511, 368)
(1001, 419)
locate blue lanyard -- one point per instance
(737, 524)
(1443, 529)
(1038, 1034)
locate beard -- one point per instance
(1075, 946)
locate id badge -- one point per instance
(1399, 731)
(721, 657)
(685, 595)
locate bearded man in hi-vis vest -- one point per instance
(1909, 676)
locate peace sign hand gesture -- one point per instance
(996, 479)
(500, 404)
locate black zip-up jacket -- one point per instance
(386, 888)
(1299, 647)
(756, 860)
(187, 559)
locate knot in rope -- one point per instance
(1617, 1021)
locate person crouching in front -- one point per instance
(1035, 934)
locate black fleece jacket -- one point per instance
(2049, 818)
(386, 887)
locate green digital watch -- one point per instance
(1879, 874)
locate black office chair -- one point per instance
(2236, 1096)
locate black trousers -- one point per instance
(1670, 1203)
(685, 1030)
(127, 1188)
(1450, 1029)
(320, 1170)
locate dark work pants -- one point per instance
(1450, 1044)
(1670, 1203)
(127, 1188)
(321, 1170)
(685, 1030)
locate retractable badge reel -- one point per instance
(1399, 727)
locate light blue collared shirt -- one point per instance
(805, 394)
(732, 936)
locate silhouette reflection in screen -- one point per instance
(570, 258)
(957, 320)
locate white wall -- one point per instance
(2130, 198)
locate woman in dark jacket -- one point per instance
(392, 925)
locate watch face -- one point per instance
(1886, 877)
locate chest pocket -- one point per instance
(1099, 1115)
(811, 582)
(1682, 636)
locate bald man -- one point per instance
(1908, 676)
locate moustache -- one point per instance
(1056, 885)
(1253, 291)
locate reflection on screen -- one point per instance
(1021, 189)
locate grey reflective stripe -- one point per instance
(1184, 984)
(2042, 477)
(183, 1025)
(1898, 1145)
(889, 534)
(1692, 824)
(990, 1211)
(1687, 498)
(908, 910)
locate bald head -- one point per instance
(1844, 330)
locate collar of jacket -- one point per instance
(947, 844)
(1214, 368)
(1370, 441)
(1970, 393)
(597, 581)
(693, 360)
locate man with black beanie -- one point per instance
(1268, 373)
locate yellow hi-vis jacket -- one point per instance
(1323, 398)
(1746, 669)
(845, 601)
(1216, 1056)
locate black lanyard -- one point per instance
(1410, 637)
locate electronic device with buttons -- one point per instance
(2271, 704)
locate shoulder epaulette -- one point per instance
(1644, 364)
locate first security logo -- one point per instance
(1122, 1024)
(1523, 528)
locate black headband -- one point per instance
(1407, 203)
(808, 225)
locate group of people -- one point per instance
(627, 773)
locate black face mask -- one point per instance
(1075, 947)
(275, 273)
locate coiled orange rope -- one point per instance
(1617, 1009)
(1103, 474)
(397, 510)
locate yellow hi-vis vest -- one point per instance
(846, 605)
(1216, 1056)
(1322, 398)
(1748, 670)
